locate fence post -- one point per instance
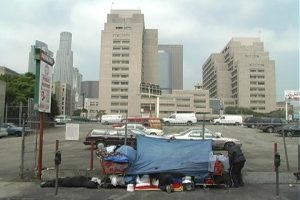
(92, 156)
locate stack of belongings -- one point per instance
(114, 159)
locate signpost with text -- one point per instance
(42, 95)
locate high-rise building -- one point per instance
(63, 69)
(129, 56)
(32, 61)
(90, 89)
(65, 77)
(242, 75)
(77, 79)
(170, 67)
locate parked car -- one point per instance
(111, 119)
(108, 137)
(152, 122)
(15, 130)
(151, 131)
(289, 130)
(269, 124)
(252, 122)
(3, 132)
(229, 119)
(62, 119)
(219, 142)
(180, 118)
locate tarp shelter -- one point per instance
(155, 155)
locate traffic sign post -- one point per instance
(42, 95)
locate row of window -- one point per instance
(124, 27)
(257, 101)
(119, 82)
(120, 55)
(120, 61)
(257, 83)
(256, 89)
(257, 70)
(120, 41)
(121, 48)
(119, 104)
(258, 95)
(257, 76)
(120, 76)
(119, 90)
(120, 68)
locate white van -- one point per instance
(229, 119)
(180, 118)
(111, 119)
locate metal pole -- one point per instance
(149, 101)
(285, 151)
(22, 149)
(157, 106)
(277, 181)
(20, 113)
(126, 122)
(40, 156)
(203, 126)
(286, 110)
(6, 110)
(56, 168)
(92, 156)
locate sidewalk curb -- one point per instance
(248, 177)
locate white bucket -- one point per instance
(130, 188)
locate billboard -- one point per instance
(292, 95)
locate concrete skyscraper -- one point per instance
(242, 75)
(63, 69)
(32, 61)
(129, 56)
(170, 67)
(65, 86)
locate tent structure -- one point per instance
(156, 155)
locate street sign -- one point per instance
(44, 103)
(43, 84)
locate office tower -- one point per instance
(32, 61)
(77, 79)
(90, 89)
(170, 67)
(63, 69)
(242, 75)
(129, 56)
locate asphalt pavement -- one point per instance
(32, 191)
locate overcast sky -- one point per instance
(201, 26)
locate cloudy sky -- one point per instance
(202, 26)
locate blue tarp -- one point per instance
(155, 155)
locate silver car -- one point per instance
(219, 142)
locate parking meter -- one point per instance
(57, 159)
(277, 160)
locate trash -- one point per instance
(130, 188)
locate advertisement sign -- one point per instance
(292, 95)
(44, 102)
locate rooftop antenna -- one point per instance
(111, 6)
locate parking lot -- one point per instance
(257, 146)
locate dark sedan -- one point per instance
(108, 137)
(290, 130)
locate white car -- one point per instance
(151, 131)
(219, 142)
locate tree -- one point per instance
(19, 88)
